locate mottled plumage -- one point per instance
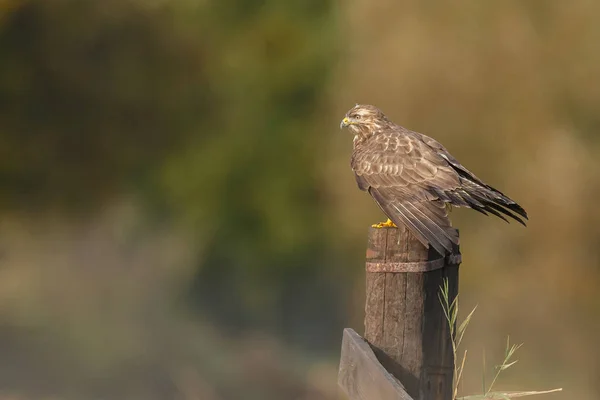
(414, 179)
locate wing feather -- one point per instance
(412, 177)
(426, 220)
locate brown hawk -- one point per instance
(414, 179)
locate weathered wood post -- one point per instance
(404, 322)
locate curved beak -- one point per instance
(345, 122)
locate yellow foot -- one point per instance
(386, 224)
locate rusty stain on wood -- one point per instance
(422, 266)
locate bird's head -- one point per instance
(364, 119)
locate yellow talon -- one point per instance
(386, 224)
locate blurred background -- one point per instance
(179, 220)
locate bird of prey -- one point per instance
(415, 180)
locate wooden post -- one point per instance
(410, 353)
(404, 321)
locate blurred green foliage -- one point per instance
(206, 110)
(94, 96)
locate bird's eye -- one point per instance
(357, 116)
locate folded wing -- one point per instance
(412, 178)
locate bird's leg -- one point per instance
(386, 224)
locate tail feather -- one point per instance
(506, 212)
(489, 196)
(486, 198)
